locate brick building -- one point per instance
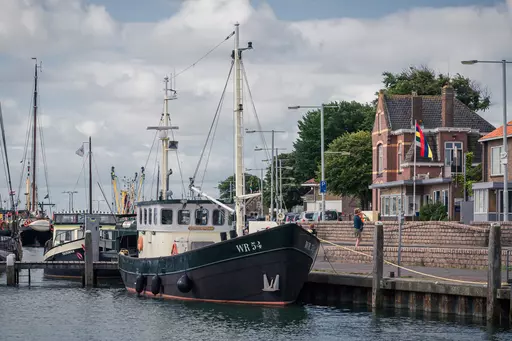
(340, 203)
(488, 194)
(450, 128)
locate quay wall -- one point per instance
(415, 295)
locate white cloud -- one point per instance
(103, 78)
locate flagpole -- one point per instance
(414, 177)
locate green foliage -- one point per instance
(348, 118)
(425, 81)
(350, 174)
(473, 174)
(252, 184)
(292, 189)
(433, 211)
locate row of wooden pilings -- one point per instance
(89, 273)
(493, 308)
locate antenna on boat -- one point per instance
(239, 138)
(169, 94)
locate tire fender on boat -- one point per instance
(156, 285)
(184, 284)
(140, 283)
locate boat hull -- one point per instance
(74, 251)
(240, 270)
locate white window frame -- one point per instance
(448, 154)
(380, 158)
(400, 157)
(500, 165)
(481, 200)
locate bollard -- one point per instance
(89, 271)
(378, 265)
(11, 271)
(494, 273)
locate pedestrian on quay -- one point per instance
(358, 225)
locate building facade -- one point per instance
(340, 203)
(450, 128)
(488, 194)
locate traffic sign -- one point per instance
(323, 186)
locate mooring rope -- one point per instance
(404, 268)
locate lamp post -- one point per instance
(261, 186)
(323, 185)
(504, 154)
(271, 177)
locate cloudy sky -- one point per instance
(104, 62)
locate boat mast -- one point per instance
(33, 205)
(90, 176)
(164, 137)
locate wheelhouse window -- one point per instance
(166, 215)
(184, 217)
(150, 216)
(218, 217)
(155, 216)
(202, 216)
(140, 215)
(145, 216)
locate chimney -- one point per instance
(447, 106)
(416, 108)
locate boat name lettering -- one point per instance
(248, 247)
(201, 228)
(309, 246)
(68, 252)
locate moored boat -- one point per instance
(195, 249)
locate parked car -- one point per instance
(330, 215)
(305, 217)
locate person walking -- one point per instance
(358, 225)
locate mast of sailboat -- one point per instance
(90, 176)
(11, 192)
(164, 137)
(33, 205)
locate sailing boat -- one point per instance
(184, 249)
(35, 225)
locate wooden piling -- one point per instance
(89, 269)
(494, 273)
(378, 265)
(10, 270)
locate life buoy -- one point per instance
(140, 243)
(174, 250)
(26, 223)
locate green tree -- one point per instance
(350, 174)
(433, 211)
(473, 174)
(227, 187)
(347, 118)
(425, 81)
(292, 189)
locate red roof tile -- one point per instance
(496, 133)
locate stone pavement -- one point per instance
(366, 269)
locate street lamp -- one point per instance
(271, 165)
(261, 185)
(323, 185)
(272, 177)
(504, 154)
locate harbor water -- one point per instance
(62, 310)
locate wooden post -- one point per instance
(494, 273)
(89, 261)
(11, 272)
(378, 265)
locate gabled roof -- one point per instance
(498, 133)
(310, 182)
(399, 110)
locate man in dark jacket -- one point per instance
(358, 225)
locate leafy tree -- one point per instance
(425, 81)
(350, 174)
(433, 211)
(347, 118)
(227, 188)
(292, 189)
(473, 174)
